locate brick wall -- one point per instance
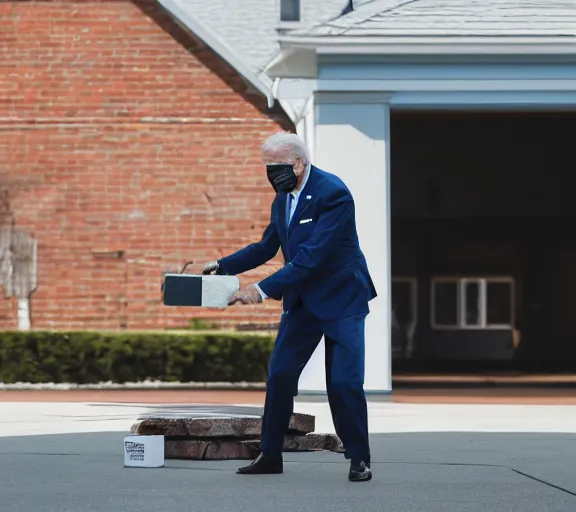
(121, 135)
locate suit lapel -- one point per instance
(282, 215)
(303, 201)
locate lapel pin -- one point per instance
(308, 197)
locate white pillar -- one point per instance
(352, 140)
(24, 323)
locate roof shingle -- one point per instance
(249, 27)
(453, 18)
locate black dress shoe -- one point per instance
(359, 472)
(263, 465)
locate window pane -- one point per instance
(472, 303)
(446, 303)
(290, 10)
(498, 303)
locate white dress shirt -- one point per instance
(295, 197)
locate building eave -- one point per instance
(299, 54)
(430, 44)
(218, 45)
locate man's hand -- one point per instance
(246, 295)
(210, 268)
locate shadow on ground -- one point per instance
(429, 472)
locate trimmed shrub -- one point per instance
(86, 357)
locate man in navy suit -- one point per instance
(325, 287)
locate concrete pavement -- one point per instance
(18, 419)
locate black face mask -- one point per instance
(282, 177)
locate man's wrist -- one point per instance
(262, 294)
(220, 269)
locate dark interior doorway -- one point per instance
(484, 227)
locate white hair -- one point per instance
(289, 142)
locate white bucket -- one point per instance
(144, 451)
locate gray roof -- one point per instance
(245, 32)
(453, 18)
(249, 27)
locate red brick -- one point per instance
(90, 171)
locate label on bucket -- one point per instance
(135, 451)
(144, 451)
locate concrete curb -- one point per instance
(146, 385)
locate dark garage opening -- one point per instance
(483, 241)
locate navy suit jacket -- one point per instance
(324, 267)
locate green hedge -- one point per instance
(93, 357)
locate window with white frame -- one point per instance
(472, 303)
(289, 10)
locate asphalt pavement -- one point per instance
(81, 468)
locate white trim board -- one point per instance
(475, 99)
(446, 85)
(406, 92)
(446, 71)
(484, 100)
(299, 56)
(433, 45)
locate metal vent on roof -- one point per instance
(289, 10)
(349, 8)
